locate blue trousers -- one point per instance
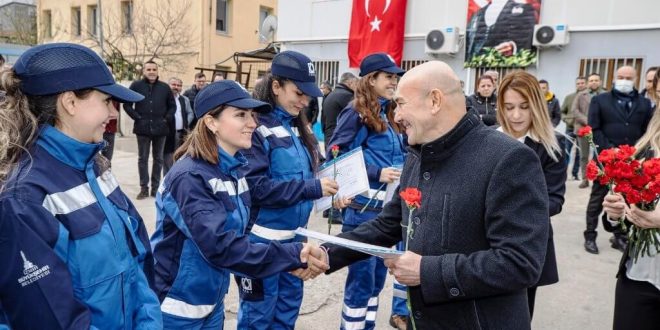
(215, 320)
(364, 282)
(276, 308)
(568, 145)
(399, 294)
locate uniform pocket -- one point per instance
(250, 289)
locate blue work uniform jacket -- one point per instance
(73, 249)
(279, 172)
(202, 214)
(381, 150)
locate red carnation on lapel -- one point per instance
(412, 197)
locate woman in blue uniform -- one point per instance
(280, 173)
(203, 211)
(368, 122)
(523, 114)
(73, 249)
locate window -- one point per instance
(47, 24)
(606, 68)
(127, 17)
(263, 13)
(92, 20)
(326, 71)
(409, 64)
(221, 10)
(75, 21)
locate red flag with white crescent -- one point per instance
(376, 26)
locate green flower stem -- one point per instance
(372, 197)
(409, 231)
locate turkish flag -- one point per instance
(376, 26)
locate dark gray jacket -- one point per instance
(486, 107)
(482, 229)
(617, 118)
(151, 115)
(554, 111)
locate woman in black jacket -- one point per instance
(484, 100)
(524, 116)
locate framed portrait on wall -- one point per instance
(499, 33)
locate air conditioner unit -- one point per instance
(442, 41)
(550, 35)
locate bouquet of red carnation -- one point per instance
(638, 181)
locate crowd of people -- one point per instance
(234, 175)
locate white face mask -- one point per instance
(623, 86)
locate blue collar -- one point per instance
(383, 104)
(228, 163)
(282, 115)
(66, 149)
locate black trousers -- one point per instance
(594, 210)
(157, 144)
(636, 305)
(531, 297)
(168, 157)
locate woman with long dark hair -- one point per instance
(280, 172)
(523, 114)
(368, 122)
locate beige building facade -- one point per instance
(182, 36)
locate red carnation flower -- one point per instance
(592, 170)
(584, 131)
(412, 197)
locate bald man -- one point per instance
(617, 117)
(478, 240)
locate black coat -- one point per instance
(171, 136)
(482, 229)
(333, 104)
(554, 173)
(554, 111)
(486, 107)
(612, 124)
(151, 115)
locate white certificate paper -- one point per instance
(351, 177)
(373, 250)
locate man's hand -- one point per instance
(406, 268)
(316, 259)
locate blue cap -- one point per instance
(297, 68)
(226, 92)
(60, 67)
(379, 62)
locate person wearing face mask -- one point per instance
(484, 100)
(524, 116)
(616, 118)
(280, 173)
(368, 122)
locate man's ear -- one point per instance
(437, 98)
